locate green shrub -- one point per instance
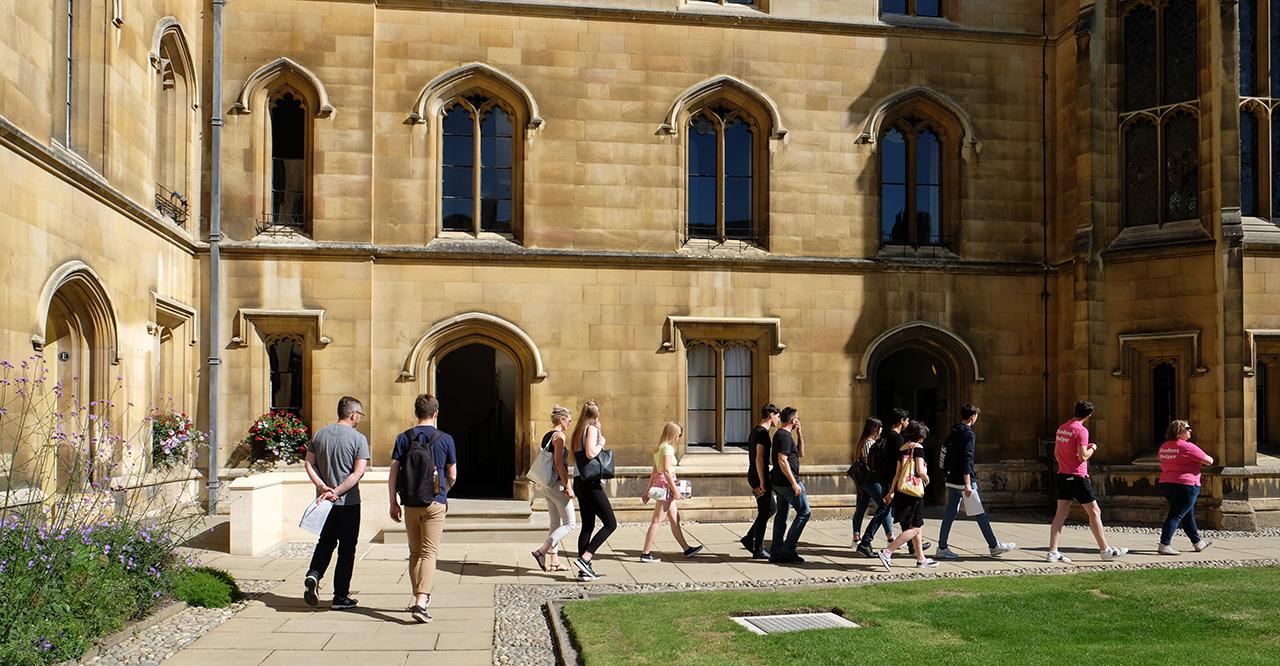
(207, 588)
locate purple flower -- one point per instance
(31, 564)
(44, 644)
(106, 549)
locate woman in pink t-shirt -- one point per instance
(1180, 463)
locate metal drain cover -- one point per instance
(778, 624)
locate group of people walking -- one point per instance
(889, 467)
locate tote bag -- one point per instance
(906, 481)
(543, 469)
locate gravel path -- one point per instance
(163, 639)
(522, 634)
(294, 550)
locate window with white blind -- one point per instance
(720, 400)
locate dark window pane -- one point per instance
(1180, 70)
(1140, 174)
(288, 160)
(285, 358)
(702, 206)
(928, 156)
(1248, 164)
(459, 137)
(702, 147)
(1140, 58)
(1181, 166)
(928, 8)
(928, 215)
(1164, 400)
(737, 149)
(495, 122)
(495, 183)
(1248, 47)
(893, 158)
(495, 215)
(495, 151)
(1275, 164)
(894, 6)
(457, 214)
(737, 207)
(1274, 39)
(893, 208)
(458, 182)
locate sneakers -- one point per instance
(747, 543)
(761, 554)
(1202, 544)
(647, 557)
(343, 603)
(541, 559)
(312, 583)
(420, 614)
(1167, 549)
(1111, 553)
(924, 545)
(885, 558)
(947, 554)
(864, 549)
(1055, 556)
(926, 563)
(692, 550)
(585, 571)
(999, 549)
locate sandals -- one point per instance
(541, 558)
(559, 566)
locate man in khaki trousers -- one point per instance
(427, 458)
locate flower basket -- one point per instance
(174, 440)
(278, 437)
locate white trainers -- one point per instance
(926, 563)
(1202, 544)
(1166, 549)
(1112, 553)
(885, 558)
(947, 554)
(1002, 548)
(1055, 556)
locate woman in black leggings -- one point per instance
(592, 500)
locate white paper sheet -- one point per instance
(315, 515)
(972, 504)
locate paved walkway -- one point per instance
(278, 628)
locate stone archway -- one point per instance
(462, 334)
(926, 369)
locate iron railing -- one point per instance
(172, 205)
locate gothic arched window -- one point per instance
(919, 174)
(722, 173)
(477, 159)
(1160, 121)
(1259, 56)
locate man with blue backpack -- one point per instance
(424, 465)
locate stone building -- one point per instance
(680, 208)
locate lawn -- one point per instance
(1122, 617)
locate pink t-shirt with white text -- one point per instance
(1180, 462)
(1071, 435)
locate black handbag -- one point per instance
(599, 468)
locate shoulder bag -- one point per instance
(591, 470)
(906, 481)
(543, 469)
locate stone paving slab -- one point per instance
(279, 628)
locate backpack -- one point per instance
(419, 480)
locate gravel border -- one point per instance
(153, 644)
(522, 628)
(294, 550)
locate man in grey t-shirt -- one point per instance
(335, 462)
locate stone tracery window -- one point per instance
(175, 136)
(478, 150)
(286, 357)
(1160, 120)
(919, 174)
(724, 178)
(1259, 58)
(720, 395)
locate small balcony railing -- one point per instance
(172, 205)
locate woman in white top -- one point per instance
(664, 489)
(559, 493)
(592, 500)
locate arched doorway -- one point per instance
(473, 357)
(919, 382)
(476, 388)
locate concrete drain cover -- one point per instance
(777, 624)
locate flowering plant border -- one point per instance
(174, 440)
(278, 436)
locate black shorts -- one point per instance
(908, 511)
(1072, 487)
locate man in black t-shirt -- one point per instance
(886, 468)
(788, 445)
(759, 446)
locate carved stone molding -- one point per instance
(678, 327)
(1131, 341)
(310, 321)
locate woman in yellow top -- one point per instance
(664, 489)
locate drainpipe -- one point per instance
(215, 254)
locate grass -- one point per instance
(1121, 617)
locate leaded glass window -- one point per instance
(1248, 164)
(477, 166)
(1160, 122)
(1259, 59)
(912, 7)
(720, 392)
(911, 183)
(722, 173)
